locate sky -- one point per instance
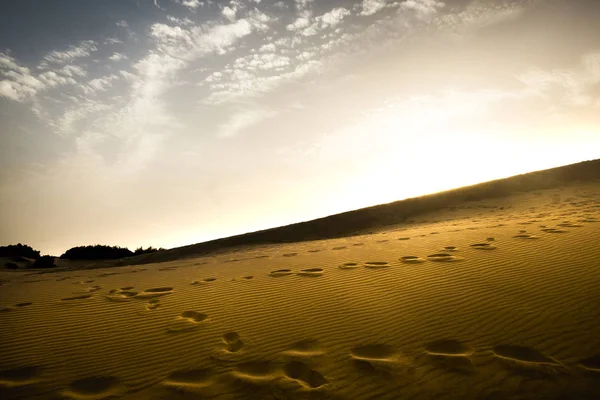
(171, 122)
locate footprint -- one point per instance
(349, 265)
(97, 387)
(305, 348)
(154, 292)
(404, 238)
(569, 225)
(591, 363)
(118, 295)
(304, 375)
(374, 352)
(19, 376)
(526, 359)
(383, 241)
(448, 348)
(126, 288)
(190, 378)
(554, 230)
(281, 272)
(233, 341)
(256, 371)
(23, 304)
(376, 264)
(209, 279)
(193, 316)
(525, 236)
(290, 254)
(94, 288)
(444, 257)
(311, 272)
(412, 260)
(167, 269)
(358, 244)
(187, 321)
(81, 297)
(153, 304)
(450, 248)
(339, 248)
(315, 250)
(248, 277)
(106, 274)
(483, 246)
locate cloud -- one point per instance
(18, 83)
(423, 7)
(244, 120)
(122, 24)
(180, 21)
(370, 7)
(577, 87)
(309, 26)
(117, 57)
(98, 84)
(191, 4)
(229, 13)
(83, 49)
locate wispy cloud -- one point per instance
(191, 4)
(81, 50)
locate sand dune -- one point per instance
(495, 299)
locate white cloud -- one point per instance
(98, 84)
(309, 26)
(191, 4)
(18, 83)
(423, 7)
(574, 87)
(229, 13)
(117, 57)
(122, 24)
(334, 17)
(267, 48)
(83, 49)
(370, 7)
(113, 41)
(73, 70)
(299, 23)
(180, 21)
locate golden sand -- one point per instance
(498, 299)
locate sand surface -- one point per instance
(495, 299)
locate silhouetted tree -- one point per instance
(97, 252)
(18, 250)
(44, 262)
(141, 250)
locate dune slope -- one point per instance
(494, 299)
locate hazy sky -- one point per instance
(170, 122)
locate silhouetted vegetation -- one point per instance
(96, 252)
(141, 250)
(11, 265)
(18, 250)
(44, 262)
(103, 252)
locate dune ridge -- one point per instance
(518, 320)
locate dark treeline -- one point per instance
(19, 250)
(103, 252)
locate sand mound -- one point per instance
(391, 318)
